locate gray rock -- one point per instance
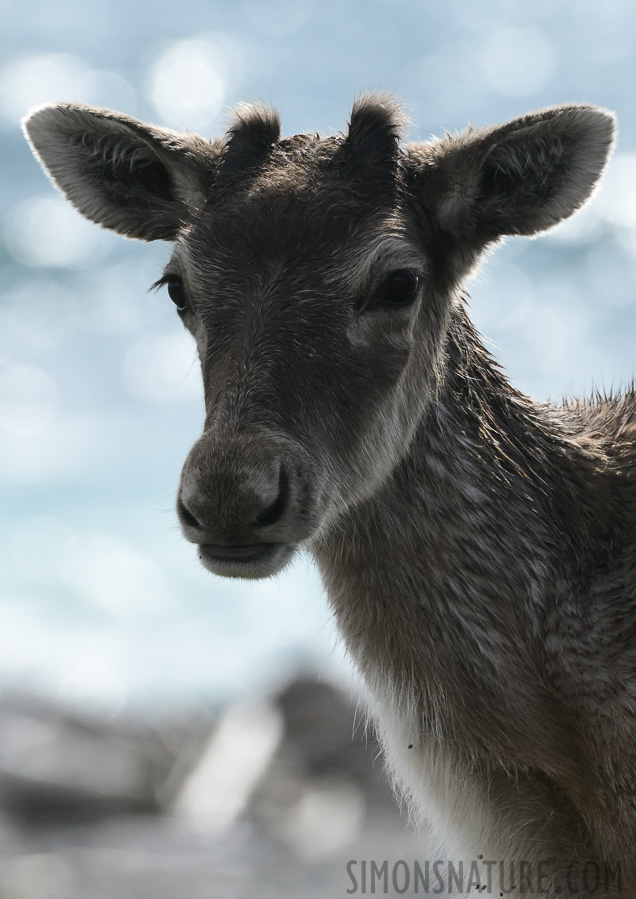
(54, 764)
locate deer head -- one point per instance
(319, 278)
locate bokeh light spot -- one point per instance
(278, 17)
(616, 199)
(28, 400)
(188, 81)
(517, 62)
(38, 314)
(161, 368)
(47, 231)
(31, 80)
(115, 577)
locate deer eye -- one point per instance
(399, 288)
(176, 292)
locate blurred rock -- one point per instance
(326, 734)
(221, 784)
(299, 767)
(271, 798)
(326, 780)
(58, 765)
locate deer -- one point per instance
(477, 546)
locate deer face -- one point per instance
(317, 277)
(307, 309)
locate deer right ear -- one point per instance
(136, 179)
(521, 177)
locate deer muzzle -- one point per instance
(246, 502)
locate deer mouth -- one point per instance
(255, 560)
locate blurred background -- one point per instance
(163, 731)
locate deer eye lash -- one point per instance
(176, 290)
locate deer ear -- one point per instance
(521, 177)
(136, 179)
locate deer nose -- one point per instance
(233, 509)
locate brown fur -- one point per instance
(477, 547)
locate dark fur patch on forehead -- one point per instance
(252, 134)
(377, 122)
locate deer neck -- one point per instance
(481, 461)
(439, 583)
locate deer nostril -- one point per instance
(186, 515)
(273, 512)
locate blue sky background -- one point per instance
(101, 601)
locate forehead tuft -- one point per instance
(376, 126)
(372, 139)
(253, 131)
(254, 123)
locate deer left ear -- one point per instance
(137, 179)
(522, 177)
